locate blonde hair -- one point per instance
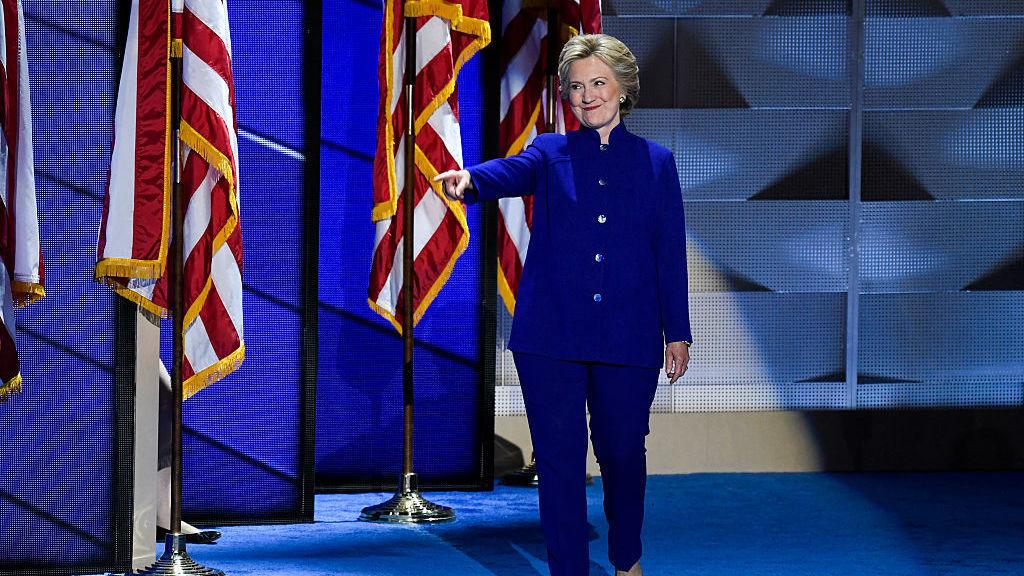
(613, 53)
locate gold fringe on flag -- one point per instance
(10, 388)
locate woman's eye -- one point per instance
(599, 83)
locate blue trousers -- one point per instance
(557, 394)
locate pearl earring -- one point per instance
(622, 99)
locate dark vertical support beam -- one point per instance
(123, 463)
(124, 374)
(489, 254)
(856, 130)
(312, 58)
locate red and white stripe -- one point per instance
(447, 35)
(582, 16)
(214, 345)
(135, 229)
(212, 239)
(21, 262)
(523, 103)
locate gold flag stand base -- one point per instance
(175, 561)
(407, 506)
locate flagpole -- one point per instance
(554, 49)
(175, 559)
(407, 505)
(177, 299)
(527, 475)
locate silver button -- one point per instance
(597, 297)
(601, 182)
(601, 219)
(598, 257)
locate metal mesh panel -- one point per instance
(509, 400)
(652, 41)
(763, 351)
(963, 393)
(945, 348)
(931, 8)
(58, 507)
(985, 7)
(941, 250)
(938, 62)
(756, 396)
(763, 62)
(724, 7)
(944, 154)
(739, 62)
(907, 8)
(768, 338)
(767, 246)
(932, 246)
(720, 154)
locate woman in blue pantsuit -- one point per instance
(602, 303)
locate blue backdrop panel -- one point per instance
(808, 243)
(58, 496)
(359, 385)
(244, 436)
(937, 246)
(914, 358)
(940, 62)
(721, 151)
(941, 235)
(972, 154)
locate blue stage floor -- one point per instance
(707, 524)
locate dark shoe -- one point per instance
(201, 537)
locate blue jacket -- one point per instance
(605, 275)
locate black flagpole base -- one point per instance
(527, 476)
(175, 561)
(407, 506)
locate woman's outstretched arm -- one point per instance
(499, 178)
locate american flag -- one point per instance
(21, 262)
(525, 42)
(134, 235)
(447, 35)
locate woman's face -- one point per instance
(594, 93)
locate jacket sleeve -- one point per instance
(503, 177)
(670, 252)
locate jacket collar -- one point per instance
(618, 133)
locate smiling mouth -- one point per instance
(588, 109)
